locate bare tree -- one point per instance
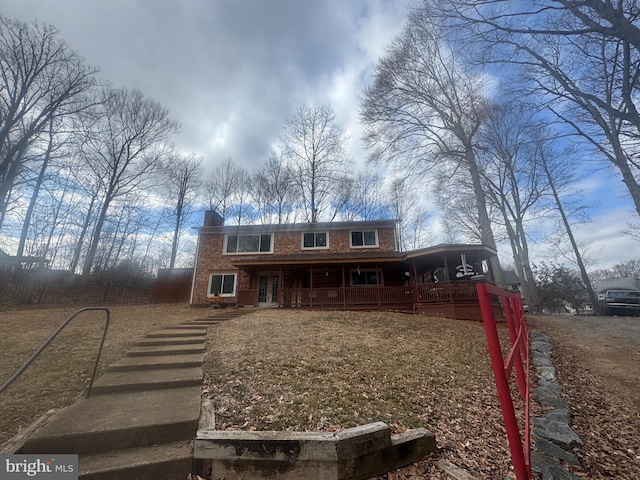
(343, 191)
(118, 230)
(147, 259)
(274, 190)
(458, 211)
(560, 173)
(52, 143)
(221, 185)
(579, 58)
(52, 217)
(242, 209)
(183, 175)
(515, 183)
(633, 231)
(366, 198)
(626, 269)
(123, 148)
(85, 217)
(314, 144)
(412, 216)
(629, 268)
(425, 109)
(42, 79)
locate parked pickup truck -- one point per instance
(622, 302)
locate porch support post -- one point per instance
(446, 269)
(378, 284)
(311, 285)
(447, 279)
(344, 288)
(280, 286)
(238, 283)
(414, 277)
(489, 270)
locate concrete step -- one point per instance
(143, 380)
(200, 324)
(194, 328)
(165, 350)
(170, 461)
(224, 316)
(229, 314)
(174, 332)
(156, 362)
(102, 423)
(148, 342)
(204, 321)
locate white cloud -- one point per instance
(232, 71)
(602, 242)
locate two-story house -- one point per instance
(334, 265)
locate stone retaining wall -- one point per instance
(352, 454)
(554, 438)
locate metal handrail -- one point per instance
(19, 372)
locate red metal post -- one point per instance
(514, 324)
(520, 465)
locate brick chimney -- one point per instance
(212, 219)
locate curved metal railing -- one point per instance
(19, 372)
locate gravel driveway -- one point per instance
(610, 346)
(598, 363)
(591, 330)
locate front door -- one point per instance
(267, 289)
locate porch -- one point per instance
(438, 281)
(457, 299)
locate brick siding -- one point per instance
(211, 259)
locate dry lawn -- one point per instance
(324, 371)
(63, 370)
(321, 371)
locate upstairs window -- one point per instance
(249, 244)
(315, 240)
(364, 238)
(222, 284)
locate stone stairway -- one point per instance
(142, 413)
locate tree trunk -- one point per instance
(176, 234)
(533, 298)
(630, 182)
(151, 238)
(83, 233)
(593, 298)
(483, 217)
(93, 247)
(8, 181)
(54, 224)
(34, 197)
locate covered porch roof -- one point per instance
(320, 259)
(421, 258)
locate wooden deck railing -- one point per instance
(320, 297)
(463, 290)
(441, 292)
(247, 297)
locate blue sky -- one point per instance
(231, 72)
